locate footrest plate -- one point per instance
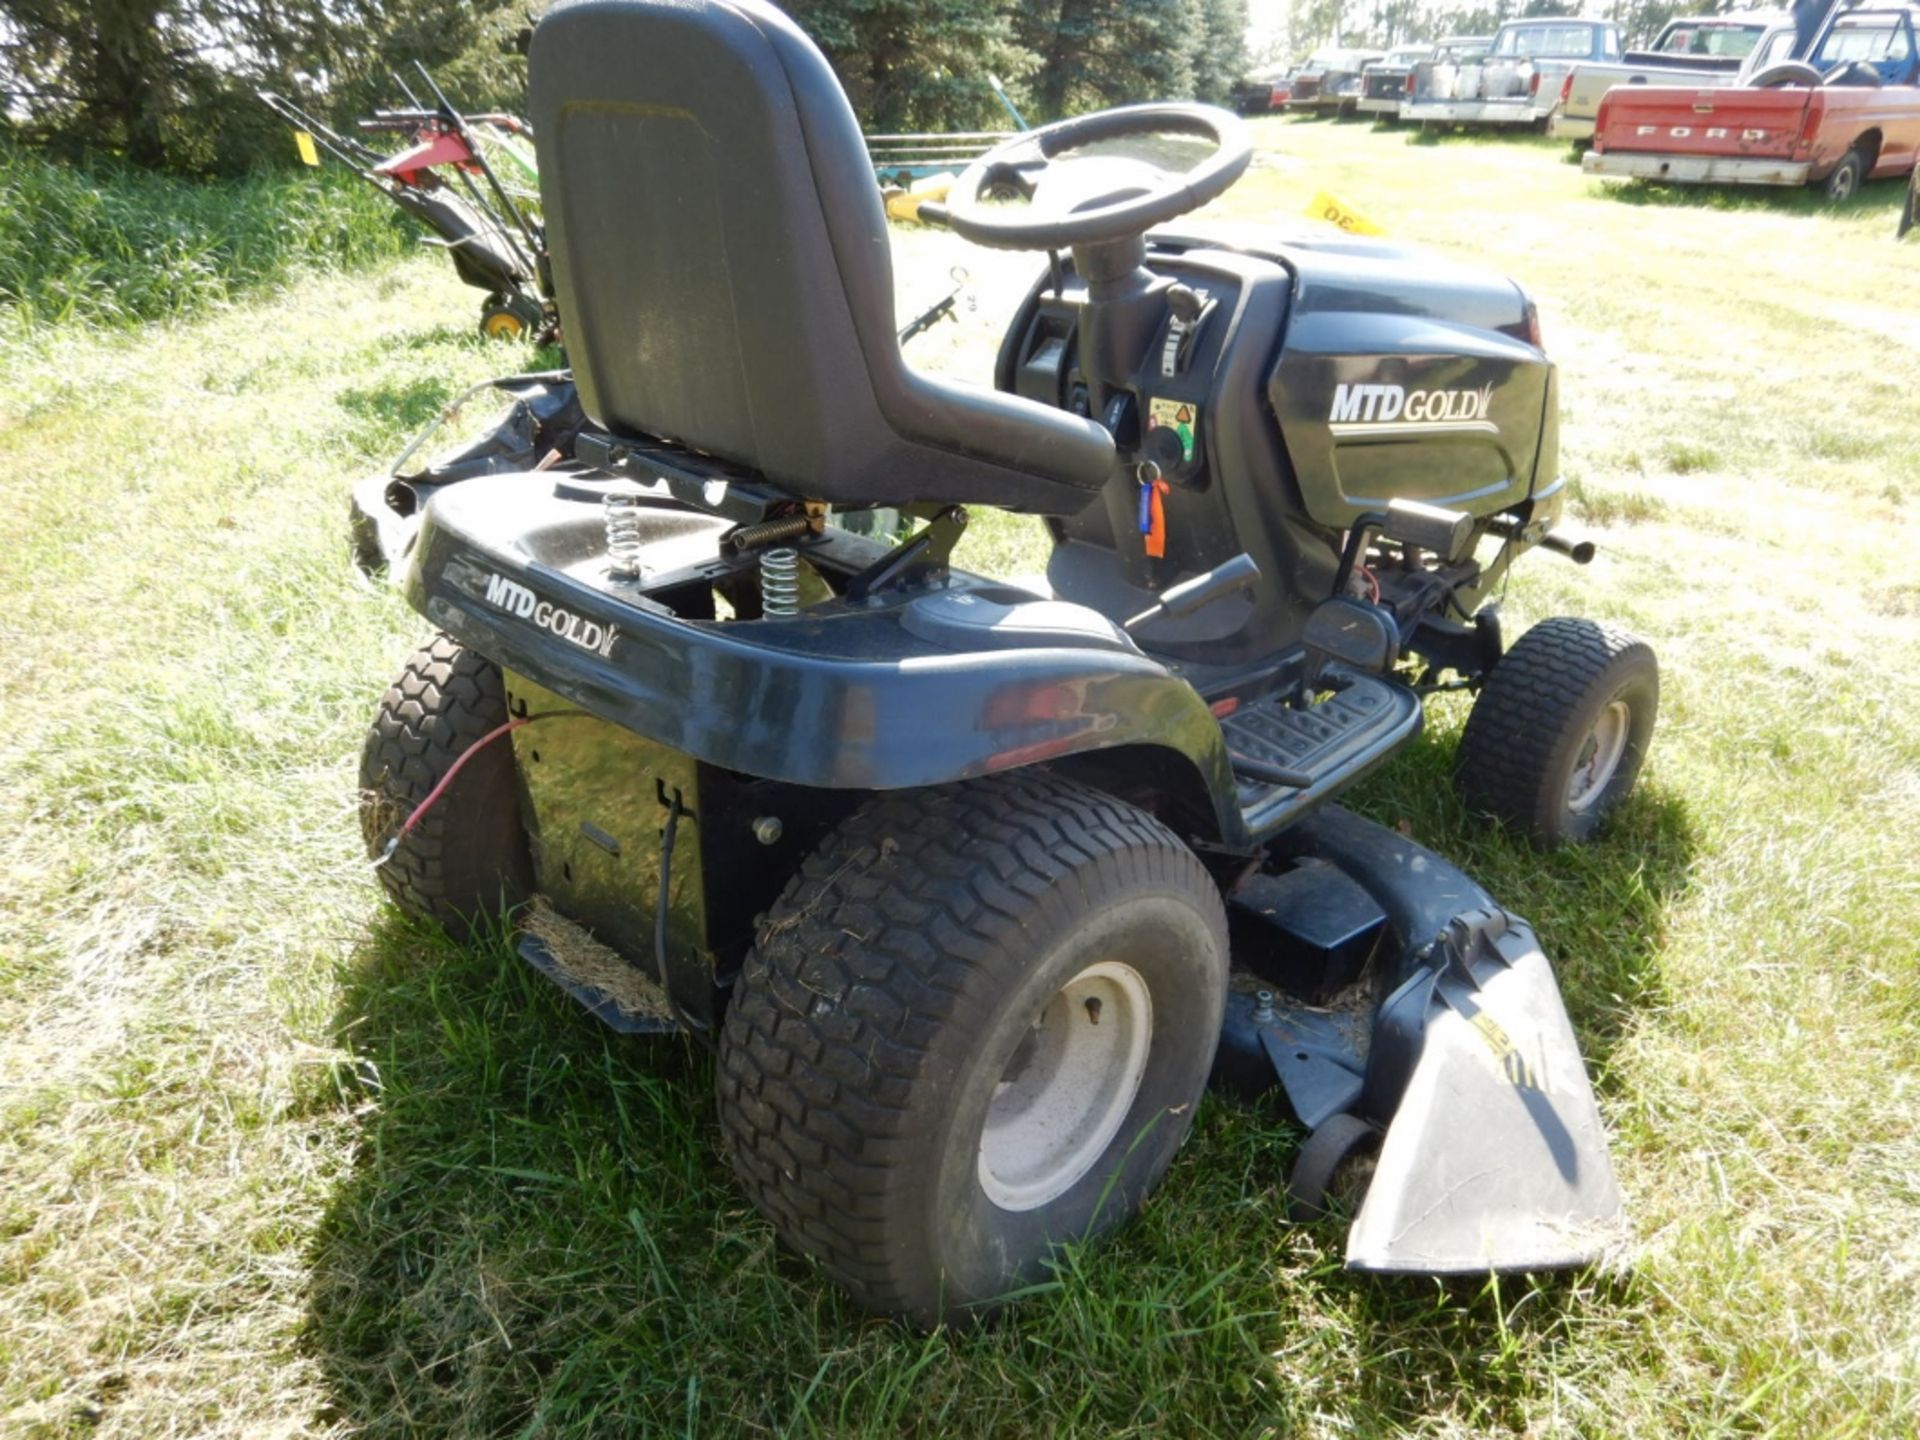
(600, 980)
(1336, 741)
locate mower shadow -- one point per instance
(537, 1221)
(537, 1231)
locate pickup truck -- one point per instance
(1263, 92)
(1383, 84)
(1706, 50)
(1849, 113)
(1329, 82)
(1519, 82)
(1453, 68)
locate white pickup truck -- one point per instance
(1706, 50)
(1519, 81)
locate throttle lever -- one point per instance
(1239, 573)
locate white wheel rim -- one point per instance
(1599, 757)
(1067, 1087)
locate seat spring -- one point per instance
(621, 512)
(780, 583)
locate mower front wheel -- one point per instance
(976, 1025)
(1560, 730)
(468, 856)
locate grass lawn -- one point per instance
(272, 1163)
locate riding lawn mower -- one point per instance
(972, 886)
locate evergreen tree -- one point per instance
(171, 82)
(918, 64)
(1220, 62)
(155, 80)
(1108, 52)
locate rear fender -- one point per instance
(846, 698)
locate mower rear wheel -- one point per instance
(468, 856)
(975, 1025)
(1561, 728)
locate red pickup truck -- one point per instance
(1848, 113)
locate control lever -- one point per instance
(940, 309)
(1447, 533)
(1239, 573)
(1580, 552)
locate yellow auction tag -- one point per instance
(303, 142)
(1337, 212)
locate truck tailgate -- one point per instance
(1592, 82)
(1686, 120)
(1590, 86)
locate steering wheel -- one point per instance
(1125, 197)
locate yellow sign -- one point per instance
(1337, 212)
(303, 142)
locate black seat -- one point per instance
(724, 276)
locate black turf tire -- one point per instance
(1534, 715)
(887, 992)
(468, 857)
(1313, 1181)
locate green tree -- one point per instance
(1220, 56)
(154, 80)
(918, 64)
(466, 44)
(1313, 23)
(169, 83)
(1108, 52)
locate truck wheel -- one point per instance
(1560, 730)
(1844, 183)
(468, 857)
(976, 1024)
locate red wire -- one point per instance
(433, 795)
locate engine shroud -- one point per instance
(1389, 373)
(1319, 380)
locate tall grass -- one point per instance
(109, 245)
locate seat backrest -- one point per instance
(724, 275)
